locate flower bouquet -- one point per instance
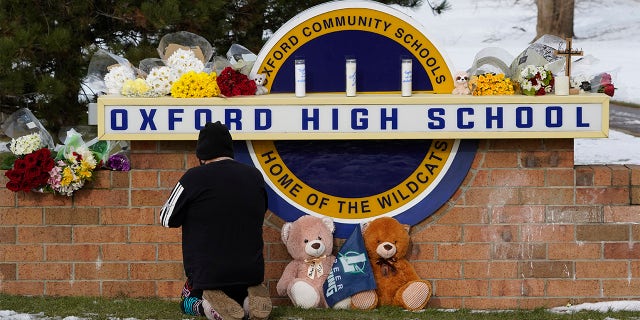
(536, 80)
(234, 83)
(491, 84)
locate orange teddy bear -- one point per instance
(398, 284)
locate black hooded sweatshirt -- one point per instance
(221, 208)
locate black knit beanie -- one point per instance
(214, 141)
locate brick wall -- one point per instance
(526, 229)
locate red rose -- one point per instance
(608, 89)
(13, 186)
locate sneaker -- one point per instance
(224, 306)
(259, 302)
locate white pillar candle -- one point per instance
(300, 78)
(561, 85)
(351, 77)
(406, 77)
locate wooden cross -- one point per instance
(568, 52)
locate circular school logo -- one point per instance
(353, 181)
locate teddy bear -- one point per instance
(260, 80)
(309, 241)
(398, 284)
(461, 83)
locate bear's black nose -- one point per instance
(388, 247)
(316, 246)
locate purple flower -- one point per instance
(118, 162)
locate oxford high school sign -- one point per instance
(356, 158)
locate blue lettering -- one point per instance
(233, 116)
(524, 117)
(393, 118)
(498, 118)
(173, 118)
(124, 119)
(334, 118)
(436, 122)
(263, 114)
(550, 111)
(461, 114)
(314, 119)
(200, 123)
(359, 119)
(147, 119)
(579, 122)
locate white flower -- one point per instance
(160, 80)
(26, 144)
(184, 61)
(116, 77)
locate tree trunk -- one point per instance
(555, 17)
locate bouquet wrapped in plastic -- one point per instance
(107, 73)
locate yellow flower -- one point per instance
(195, 85)
(492, 84)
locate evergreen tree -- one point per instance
(45, 46)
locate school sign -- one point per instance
(356, 158)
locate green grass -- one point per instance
(102, 309)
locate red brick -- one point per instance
(621, 214)
(170, 289)
(168, 179)
(73, 288)
(501, 159)
(546, 196)
(8, 198)
(518, 250)
(169, 252)
(462, 288)
(601, 176)
(476, 303)
(7, 234)
(121, 179)
(547, 159)
(611, 195)
(132, 289)
(146, 161)
(491, 196)
(34, 199)
(574, 251)
(603, 232)
(23, 288)
(62, 216)
(101, 271)
(574, 214)
(479, 178)
(156, 271)
(463, 251)
(144, 179)
(439, 233)
(138, 146)
(518, 214)
(620, 175)
(142, 198)
(573, 288)
(470, 215)
(277, 251)
(547, 233)
(621, 250)
(99, 234)
(20, 253)
(44, 271)
(154, 234)
(490, 233)
(560, 177)
(25, 216)
(438, 269)
(620, 288)
(72, 253)
(44, 234)
(7, 272)
(547, 269)
(490, 270)
(601, 269)
(127, 216)
(128, 252)
(517, 177)
(102, 198)
(635, 174)
(101, 179)
(516, 288)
